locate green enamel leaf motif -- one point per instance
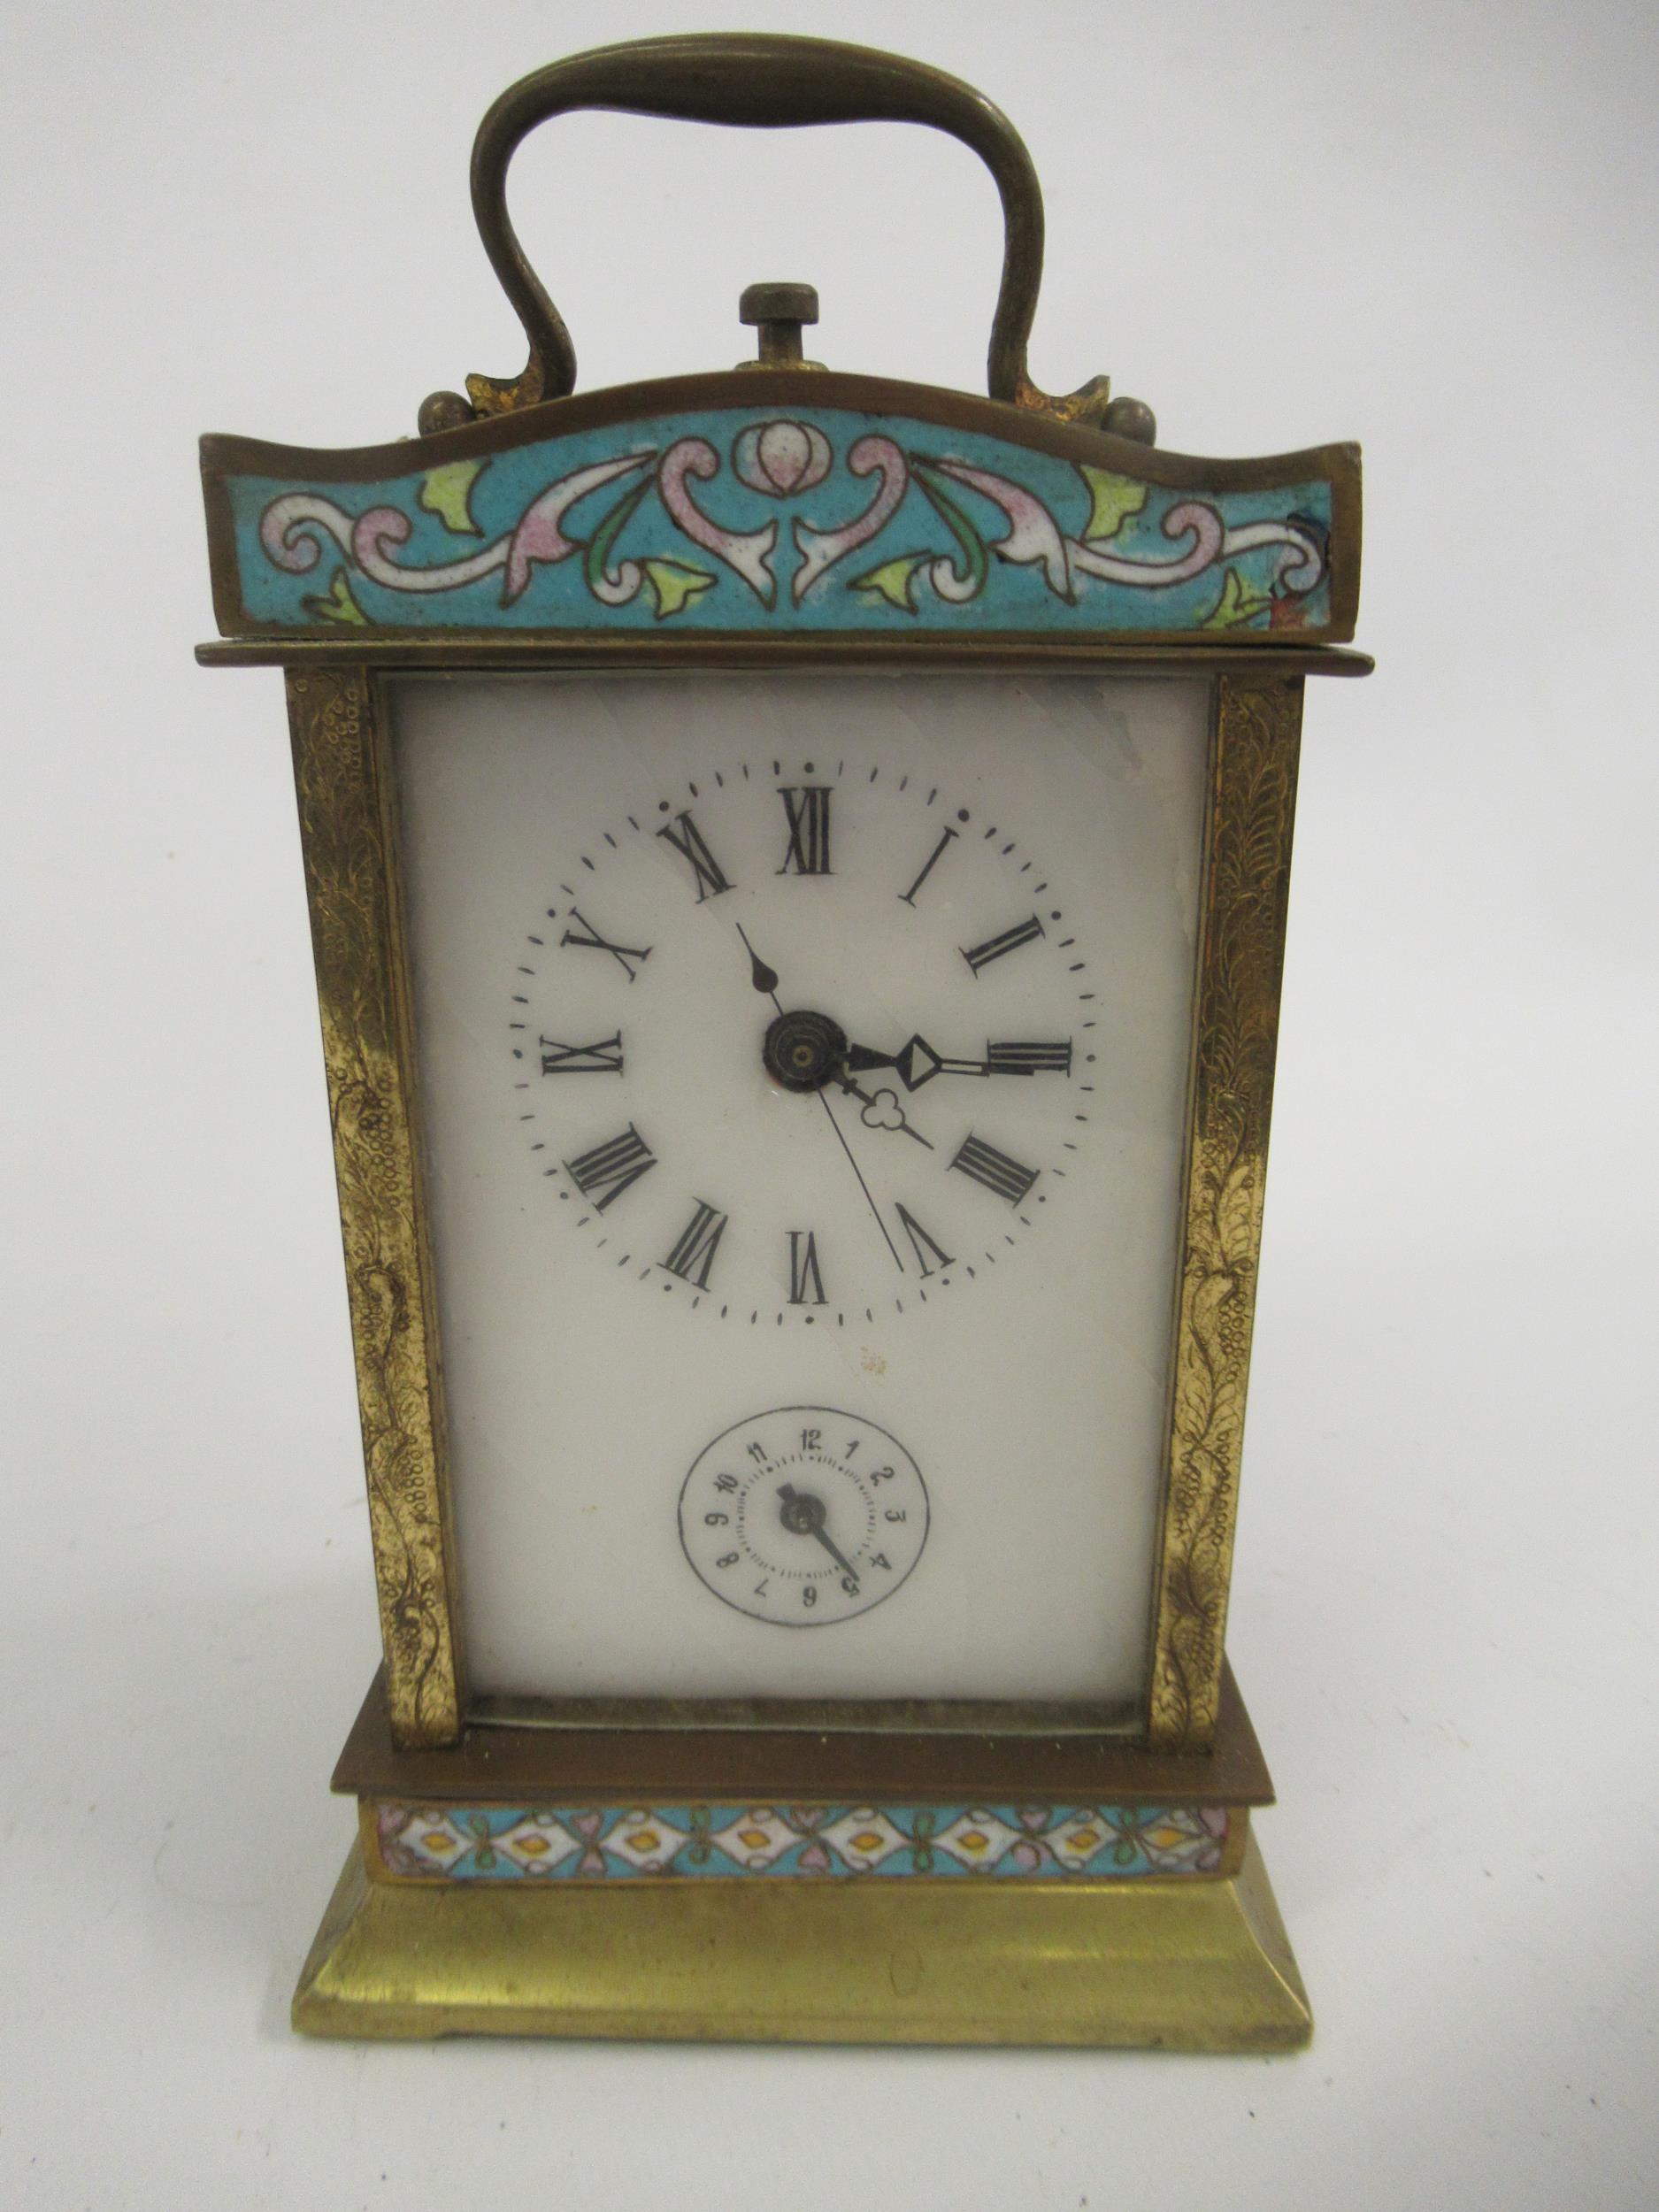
(1240, 603)
(596, 557)
(1114, 499)
(895, 581)
(674, 585)
(970, 544)
(337, 605)
(446, 492)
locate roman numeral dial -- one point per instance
(930, 1255)
(1028, 1059)
(807, 811)
(806, 1277)
(604, 1058)
(695, 1248)
(603, 1172)
(994, 1170)
(811, 1042)
(629, 958)
(979, 957)
(690, 842)
(946, 837)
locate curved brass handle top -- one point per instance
(762, 82)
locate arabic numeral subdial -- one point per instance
(803, 1517)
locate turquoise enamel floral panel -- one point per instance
(503, 1843)
(771, 519)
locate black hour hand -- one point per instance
(916, 1063)
(803, 1514)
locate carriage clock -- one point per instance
(797, 871)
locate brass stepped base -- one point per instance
(1180, 1963)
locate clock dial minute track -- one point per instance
(634, 1044)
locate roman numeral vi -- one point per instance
(806, 1283)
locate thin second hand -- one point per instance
(863, 1185)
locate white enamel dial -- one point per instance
(973, 897)
(802, 1040)
(803, 1516)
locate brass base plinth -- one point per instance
(1181, 1964)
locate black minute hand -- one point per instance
(763, 978)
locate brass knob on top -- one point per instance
(778, 311)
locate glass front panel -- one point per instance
(803, 1067)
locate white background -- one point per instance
(1431, 228)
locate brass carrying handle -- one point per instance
(762, 82)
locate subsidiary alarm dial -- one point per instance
(803, 1517)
